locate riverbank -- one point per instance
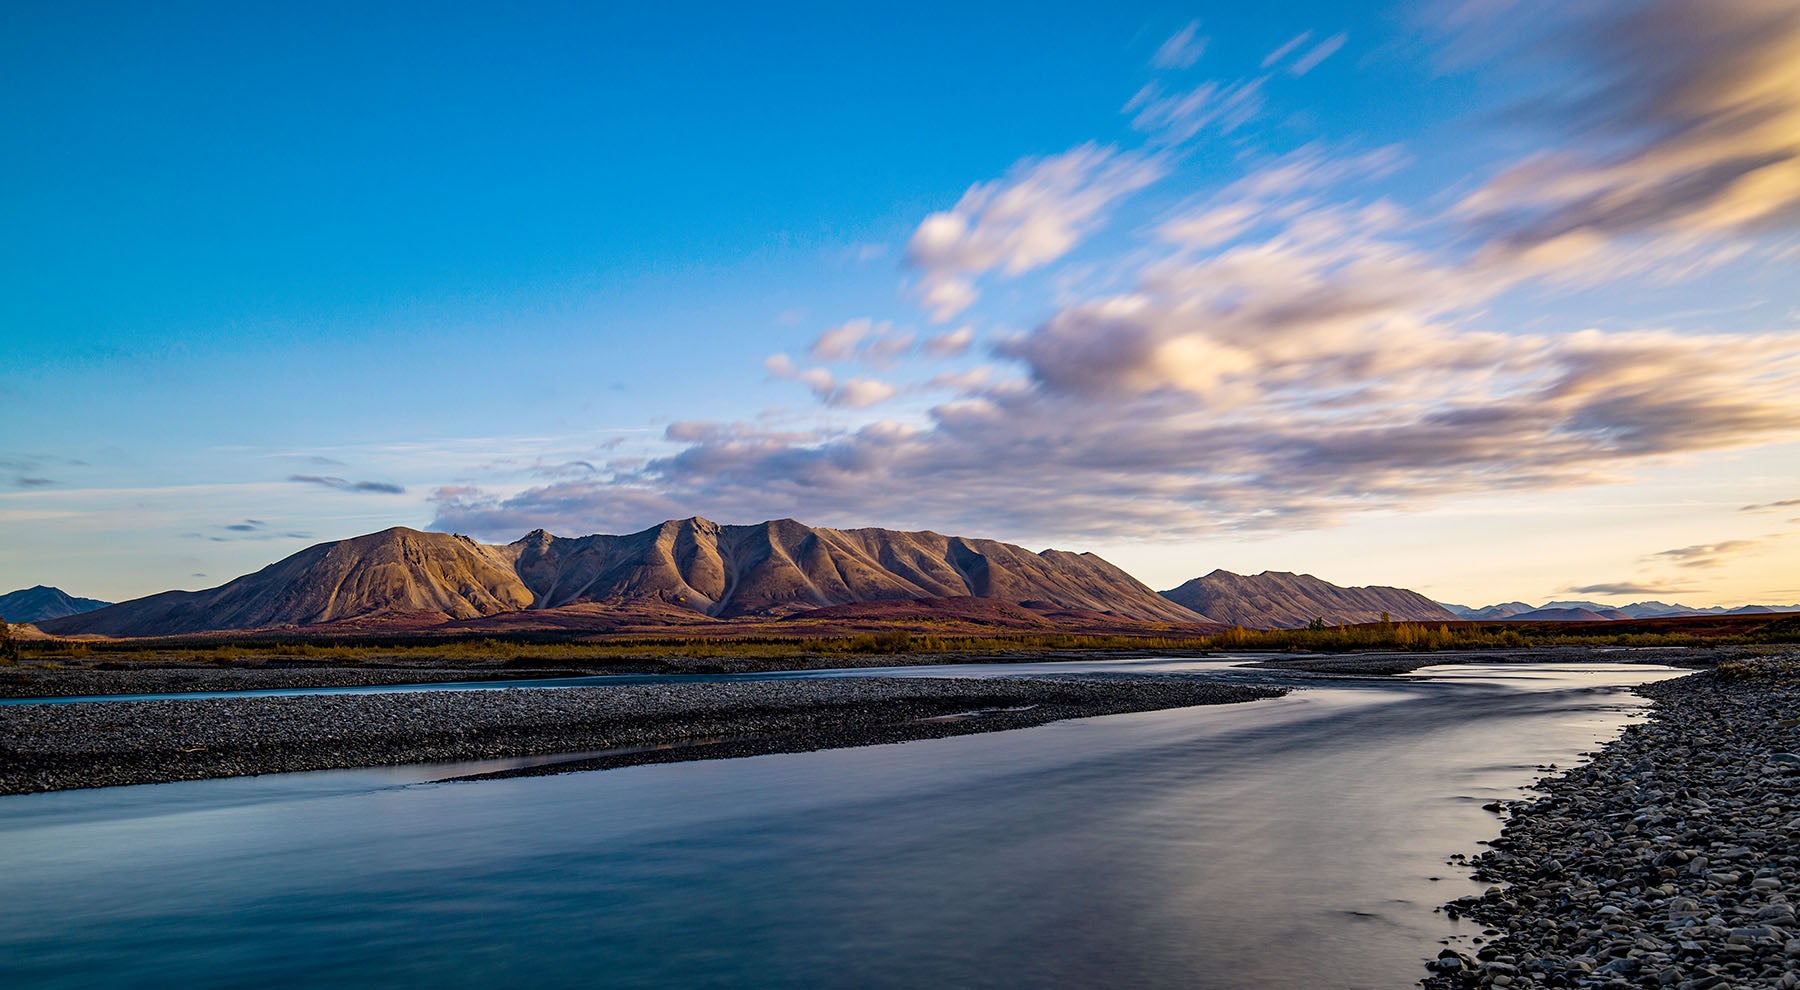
(1670, 859)
(103, 674)
(98, 744)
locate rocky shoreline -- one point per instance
(1671, 859)
(96, 744)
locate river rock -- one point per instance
(1676, 847)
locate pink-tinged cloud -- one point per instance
(1281, 353)
(1681, 124)
(1036, 215)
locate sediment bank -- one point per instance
(96, 744)
(1671, 859)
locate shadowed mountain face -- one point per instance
(690, 566)
(1282, 600)
(40, 603)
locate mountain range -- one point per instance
(691, 568)
(40, 603)
(1283, 600)
(690, 572)
(1585, 611)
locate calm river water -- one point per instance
(1284, 843)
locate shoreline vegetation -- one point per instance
(31, 665)
(1670, 858)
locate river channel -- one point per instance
(1295, 842)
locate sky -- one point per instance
(1480, 298)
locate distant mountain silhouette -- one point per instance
(40, 603)
(1561, 615)
(1595, 610)
(1500, 611)
(691, 567)
(1283, 600)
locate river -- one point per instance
(1283, 843)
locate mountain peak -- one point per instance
(41, 602)
(773, 568)
(1285, 600)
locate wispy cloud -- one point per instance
(1706, 554)
(1285, 49)
(1679, 122)
(1176, 116)
(249, 529)
(1037, 214)
(852, 393)
(1316, 54)
(840, 343)
(1182, 49)
(1620, 589)
(1291, 348)
(868, 341)
(345, 485)
(951, 343)
(1786, 503)
(28, 469)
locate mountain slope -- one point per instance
(690, 566)
(1283, 600)
(40, 603)
(393, 572)
(782, 566)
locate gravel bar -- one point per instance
(1671, 859)
(102, 676)
(105, 743)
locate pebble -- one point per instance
(1678, 849)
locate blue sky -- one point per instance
(1330, 289)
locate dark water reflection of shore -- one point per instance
(1279, 843)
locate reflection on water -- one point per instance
(1281, 843)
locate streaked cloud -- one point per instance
(854, 393)
(1285, 49)
(1182, 49)
(1679, 122)
(950, 343)
(1288, 349)
(1706, 554)
(1036, 215)
(249, 529)
(841, 342)
(1178, 116)
(1786, 503)
(1621, 589)
(1316, 54)
(345, 485)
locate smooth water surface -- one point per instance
(1283, 843)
